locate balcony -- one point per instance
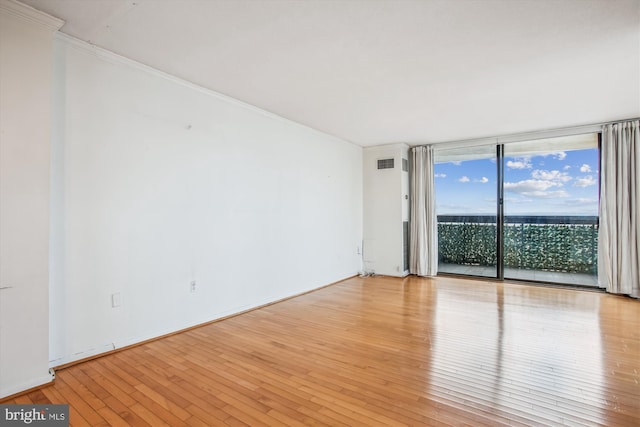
(557, 249)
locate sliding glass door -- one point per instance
(546, 227)
(466, 208)
(551, 210)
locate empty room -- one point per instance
(320, 212)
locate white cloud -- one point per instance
(464, 179)
(549, 194)
(585, 168)
(558, 155)
(535, 188)
(517, 200)
(519, 163)
(456, 163)
(440, 175)
(528, 186)
(566, 167)
(585, 181)
(482, 180)
(550, 175)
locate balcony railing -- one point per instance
(567, 244)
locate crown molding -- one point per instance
(30, 14)
(391, 145)
(114, 58)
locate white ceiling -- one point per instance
(375, 72)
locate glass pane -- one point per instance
(551, 210)
(466, 208)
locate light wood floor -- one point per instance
(380, 352)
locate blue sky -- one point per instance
(554, 183)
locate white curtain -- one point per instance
(619, 235)
(423, 258)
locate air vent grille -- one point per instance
(405, 165)
(386, 164)
(405, 244)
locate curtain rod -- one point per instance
(525, 136)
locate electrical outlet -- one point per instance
(193, 286)
(116, 300)
(358, 250)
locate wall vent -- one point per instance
(405, 244)
(405, 165)
(386, 164)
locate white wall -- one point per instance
(158, 183)
(25, 101)
(385, 208)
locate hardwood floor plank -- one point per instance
(82, 390)
(234, 422)
(110, 381)
(284, 419)
(118, 375)
(379, 351)
(159, 396)
(147, 415)
(125, 412)
(213, 417)
(112, 418)
(77, 405)
(39, 398)
(238, 414)
(320, 419)
(23, 400)
(160, 411)
(52, 395)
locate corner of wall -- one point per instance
(26, 54)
